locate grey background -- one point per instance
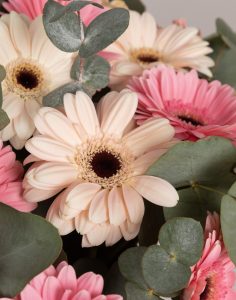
(198, 13)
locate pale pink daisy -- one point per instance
(213, 277)
(34, 8)
(61, 283)
(11, 173)
(195, 107)
(145, 45)
(100, 160)
(31, 62)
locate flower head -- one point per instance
(31, 62)
(100, 161)
(195, 108)
(61, 283)
(213, 276)
(11, 189)
(145, 45)
(34, 8)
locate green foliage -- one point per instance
(202, 173)
(224, 55)
(163, 270)
(55, 98)
(29, 244)
(228, 217)
(65, 31)
(135, 5)
(4, 119)
(104, 30)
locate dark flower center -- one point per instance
(147, 58)
(191, 120)
(27, 78)
(105, 164)
(205, 295)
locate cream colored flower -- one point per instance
(34, 67)
(144, 45)
(99, 160)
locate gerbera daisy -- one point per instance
(61, 283)
(31, 62)
(213, 277)
(11, 173)
(195, 107)
(100, 160)
(145, 45)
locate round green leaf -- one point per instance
(134, 292)
(228, 217)
(4, 119)
(226, 33)
(29, 244)
(182, 238)
(163, 272)
(56, 97)
(204, 166)
(65, 32)
(2, 73)
(104, 30)
(135, 5)
(130, 265)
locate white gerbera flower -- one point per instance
(34, 67)
(145, 45)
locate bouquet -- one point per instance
(117, 154)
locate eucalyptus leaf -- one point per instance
(163, 272)
(92, 72)
(4, 119)
(56, 97)
(183, 239)
(2, 73)
(65, 32)
(228, 217)
(134, 292)
(225, 69)
(75, 5)
(29, 244)
(205, 167)
(227, 34)
(136, 5)
(130, 265)
(104, 30)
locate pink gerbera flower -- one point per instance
(213, 277)
(34, 8)
(97, 161)
(195, 108)
(11, 171)
(61, 283)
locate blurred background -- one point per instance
(199, 13)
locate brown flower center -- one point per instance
(29, 79)
(145, 56)
(190, 120)
(105, 164)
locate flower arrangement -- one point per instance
(117, 154)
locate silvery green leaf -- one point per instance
(4, 119)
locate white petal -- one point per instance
(98, 212)
(50, 150)
(64, 226)
(134, 204)
(149, 23)
(116, 208)
(148, 135)
(156, 190)
(85, 112)
(17, 143)
(79, 199)
(12, 105)
(82, 223)
(129, 230)
(98, 235)
(32, 107)
(24, 126)
(116, 119)
(113, 236)
(52, 175)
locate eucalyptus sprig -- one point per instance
(66, 30)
